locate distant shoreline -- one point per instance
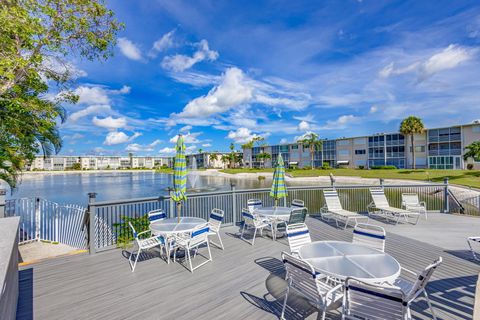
(53, 172)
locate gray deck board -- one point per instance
(241, 283)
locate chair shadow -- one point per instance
(145, 255)
(25, 295)
(463, 254)
(273, 265)
(451, 295)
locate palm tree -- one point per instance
(313, 142)
(473, 151)
(411, 126)
(263, 156)
(250, 144)
(225, 159)
(213, 157)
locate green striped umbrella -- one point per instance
(278, 190)
(179, 176)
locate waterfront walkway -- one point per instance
(242, 282)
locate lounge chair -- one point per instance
(474, 242)
(304, 279)
(362, 300)
(381, 208)
(333, 209)
(411, 202)
(369, 235)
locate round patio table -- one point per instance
(172, 226)
(276, 215)
(344, 259)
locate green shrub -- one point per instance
(326, 166)
(361, 167)
(383, 167)
(123, 232)
(470, 166)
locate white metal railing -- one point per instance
(355, 198)
(41, 219)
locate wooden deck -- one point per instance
(242, 282)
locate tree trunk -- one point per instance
(312, 155)
(413, 151)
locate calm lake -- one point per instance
(72, 188)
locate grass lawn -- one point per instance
(469, 178)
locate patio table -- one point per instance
(276, 215)
(171, 226)
(341, 259)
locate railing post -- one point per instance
(92, 211)
(332, 180)
(3, 192)
(234, 204)
(446, 206)
(37, 218)
(172, 204)
(381, 183)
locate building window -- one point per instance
(343, 152)
(359, 141)
(360, 151)
(294, 147)
(476, 129)
(418, 148)
(343, 142)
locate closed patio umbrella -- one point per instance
(179, 176)
(278, 190)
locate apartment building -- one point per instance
(437, 148)
(98, 162)
(205, 160)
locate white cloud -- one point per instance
(62, 68)
(93, 109)
(303, 126)
(135, 147)
(242, 135)
(129, 49)
(283, 141)
(172, 151)
(341, 122)
(110, 123)
(231, 92)
(180, 62)
(162, 44)
(373, 109)
(186, 128)
(448, 58)
(118, 137)
(98, 94)
(206, 145)
(188, 138)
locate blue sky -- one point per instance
(227, 71)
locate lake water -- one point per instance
(72, 188)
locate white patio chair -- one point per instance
(253, 204)
(192, 241)
(251, 220)
(302, 277)
(298, 203)
(144, 244)
(214, 222)
(298, 236)
(411, 202)
(156, 215)
(380, 207)
(333, 209)
(412, 290)
(369, 235)
(369, 301)
(474, 242)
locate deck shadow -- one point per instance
(463, 254)
(25, 296)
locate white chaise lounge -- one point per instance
(381, 208)
(333, 209)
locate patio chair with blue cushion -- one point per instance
(251, 220)
(362, 300)
(474, 243)
(214, 222)
(192, 241)
(144, 244)
(253, 204)
(369, 235)
(302, 277)
(414, 289)
(381, 208)
(298, 203)
(156, 215)
(298, 236)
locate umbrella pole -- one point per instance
(179, 208)
(276, 202)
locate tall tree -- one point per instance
(411, 126)
(313, 142)
(225, 158)
(36, 37)
(473, 151)
(257, 140)
(264, 156)
(213, 157)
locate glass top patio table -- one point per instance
(282, 213)
(171, 225)
(344, 259)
